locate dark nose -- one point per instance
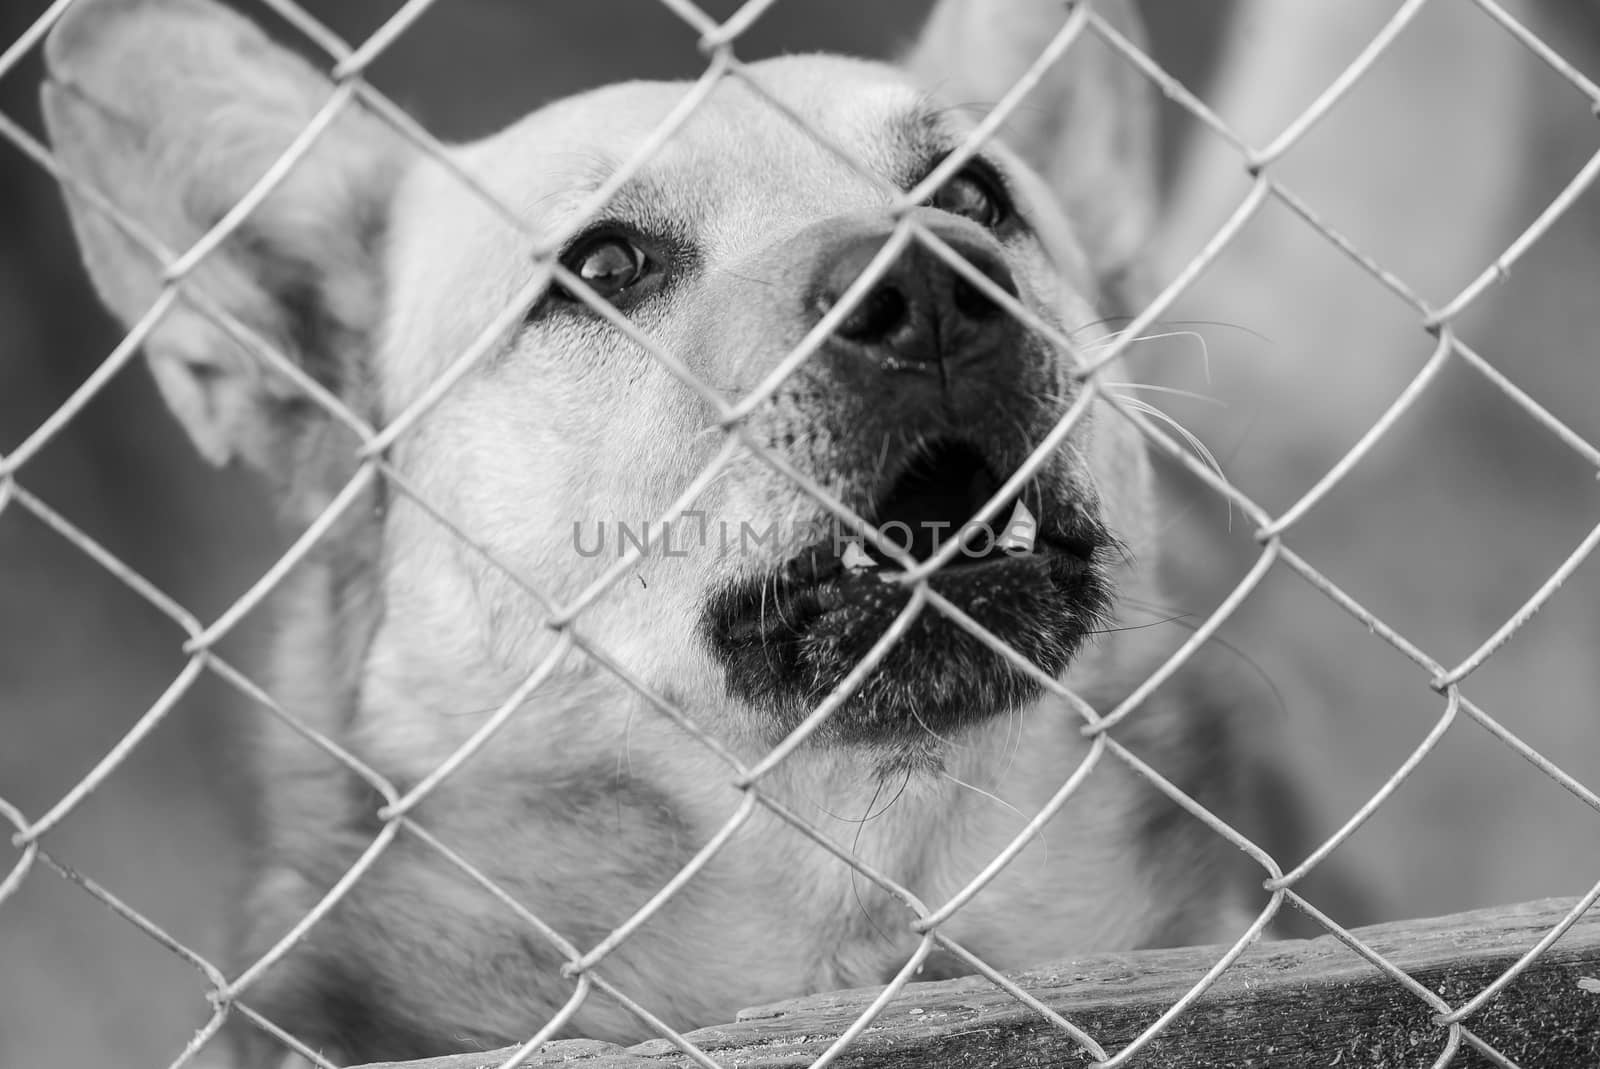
(922, 313)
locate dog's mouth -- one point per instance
(1030, 578)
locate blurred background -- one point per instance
(1455, 142)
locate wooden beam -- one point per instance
(1282, 1005)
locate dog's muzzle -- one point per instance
(927, 397)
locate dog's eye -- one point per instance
(973, 193)
(608, 264)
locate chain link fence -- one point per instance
(586, 973)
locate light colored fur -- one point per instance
(398, 640)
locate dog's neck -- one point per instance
(589, 773)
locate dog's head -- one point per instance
(373, 267)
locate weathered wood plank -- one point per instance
(1283, 1005)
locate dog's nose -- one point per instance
(922, 312)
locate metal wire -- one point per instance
(586, 966)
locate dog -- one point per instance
(430, 598)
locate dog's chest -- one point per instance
(1075, 885)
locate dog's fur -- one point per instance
(373, 267)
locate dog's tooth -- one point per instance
(855, 558)
(1021, 531)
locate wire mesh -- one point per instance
(587, 964)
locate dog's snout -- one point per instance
(922, 311)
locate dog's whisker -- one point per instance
(778, 601)
(945, 741)
(1011, 746)
(1115, 336)
(1134, 627)
(1165, 324)
(870, 816)
(1038, 836)
(1195, 444)
(1187, 621)
(855, 846)
(1173, 390)
(1189, 437)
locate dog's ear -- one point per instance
(1089, 127)
(172, 110)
